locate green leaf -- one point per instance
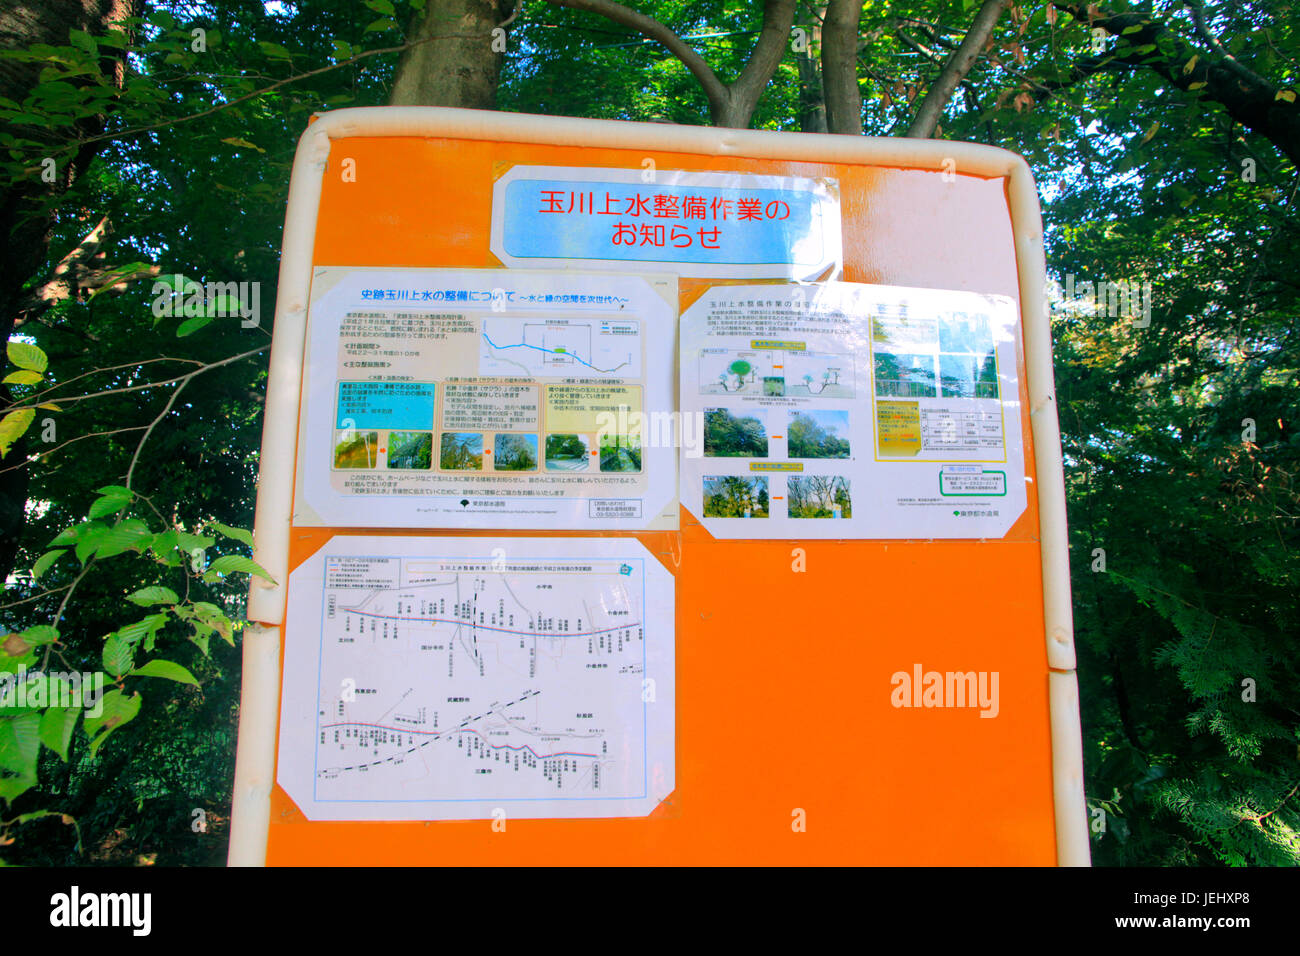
(118, 656)
(143, 629)
(274, 50)
(115, 709)
(381, 6)
(378, 26)
(86, 543)
(175, 548)
(145, 597)
(238, 563)
(27, 356)
(208, 618)
(23, 377)
(44, 562)
(239, 534)
(20, 743)
(167, 670)
(113, 499)
(242, 143)
(12, 427)
(57, 725)
(192, 325)
(83, 41)
(40, 635)
(74, 534)
(131, 534)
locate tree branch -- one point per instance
(958, 65)
(1252, 102)
(778, 19)
(1198, 21)
(730, 106)
(714, 89)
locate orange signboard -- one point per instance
(891, 687)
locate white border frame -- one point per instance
(255, 756)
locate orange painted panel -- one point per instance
(783, 677)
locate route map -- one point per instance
(557, 347)
(481, 685)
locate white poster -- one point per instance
(843, 410)
(471, 678)
(480, 398)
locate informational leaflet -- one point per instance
(480, 398)
(715, 225)
(472, 678)
(842, 410)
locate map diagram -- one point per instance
(465, 685)
(541, 348)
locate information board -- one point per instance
(657, 495)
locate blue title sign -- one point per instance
(692, 219)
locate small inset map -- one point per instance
(552, 348)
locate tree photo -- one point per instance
(728, 435)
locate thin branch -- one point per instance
(34, 597)
(111, 368)
(1230, 61)
(137, 388)
(64, 444)
(130, 472)
(64, 603)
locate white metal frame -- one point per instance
(255, 757)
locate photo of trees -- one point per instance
(735, 496)
(356, 450)
(817, 496)
(410, 449)
(566, 453)
(515, 453)
(732, 435)
(620, 453)
(818, 434)
(461, 451)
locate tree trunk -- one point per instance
(840, 66)
(457, 60)
(24, 219)
(812, 101)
